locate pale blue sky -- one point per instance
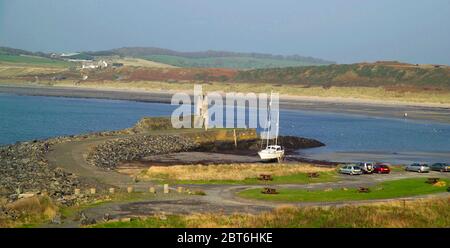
(345, 31)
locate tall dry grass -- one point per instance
(227, 171)
(36, 209)
(421, 213)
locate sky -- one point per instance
(346, 31)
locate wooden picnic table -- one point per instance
(265, 177)
(270, 191)
(433, 180)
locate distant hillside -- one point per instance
(213, 59)
(12, 55)
(363, 74)
(14, 51)
(204, 59)
(225, 62)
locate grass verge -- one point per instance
(385, 190)
(239, 174)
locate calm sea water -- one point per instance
(35, 117)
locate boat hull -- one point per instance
(267, 155)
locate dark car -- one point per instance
(381, 169)
(440, 167)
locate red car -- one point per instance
(381, 168)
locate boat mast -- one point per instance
(277, 127)
(269, 118)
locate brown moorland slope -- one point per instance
(386, 74)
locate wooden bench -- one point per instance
(269, 191)
(265, 177)
(313, 174)
(432, 180)
(363, 190)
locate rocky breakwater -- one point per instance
(110, 153)
(251, 144)
(24, 169)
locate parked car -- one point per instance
(418, 167)
(440, 167)
(367, 168)
(381, 169)
(351, 170)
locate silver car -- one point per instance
(418, 168)
(351, 170)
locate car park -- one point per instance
(381, 168)
(418, 168)
(442, 167)
(350, 170)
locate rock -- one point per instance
(112, 152)
(251, 146)
(25, 195)
(88, 221)
(130, 189)
(57, 220)
(125, 219)
(106, 217)
(24, 168)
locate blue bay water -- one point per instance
(36, 117)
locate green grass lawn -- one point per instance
(385, 190)
(32, 60)
(299, 178)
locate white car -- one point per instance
(366, 167)
(350, 170)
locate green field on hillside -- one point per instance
(32, 60)
(225, 62)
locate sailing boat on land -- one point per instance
(272, 151)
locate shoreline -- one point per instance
(390, 109)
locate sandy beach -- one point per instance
(390, 109)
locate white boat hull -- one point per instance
(270, 155)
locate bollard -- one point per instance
(152, 190)
(166, 188)
(92, 191)
(77, 191)
(180, 189)
(130, 189)
(112, 190)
